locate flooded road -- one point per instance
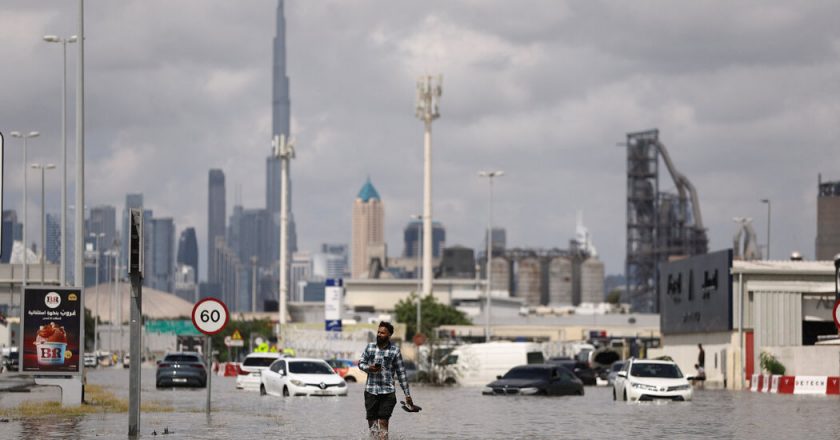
(457, 413)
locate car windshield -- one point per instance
(527, 373)
(258, 361)
(666, 371)
(310, 367)
(181, 358)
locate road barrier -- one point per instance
(776, 384)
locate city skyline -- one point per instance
(540, 94)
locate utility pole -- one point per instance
(285, 150)
(135, 272)
(428, 99)
(79, 274)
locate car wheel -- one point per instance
(449, 381)
(614, 398)
(285, 391)
(625, 395)
(262, 390)
(350, 379)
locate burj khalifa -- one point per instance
(281, 117)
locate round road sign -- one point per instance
(836, 313)
(210, 316)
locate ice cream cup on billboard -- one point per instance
(51, 353)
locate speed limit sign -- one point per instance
(210, 316)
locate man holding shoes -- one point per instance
(381, 360)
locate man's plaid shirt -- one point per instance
(391, 360)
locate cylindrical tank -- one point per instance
(560, 282)
(500, 281)
(528, 281)
(592, 281)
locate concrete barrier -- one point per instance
(813, 385)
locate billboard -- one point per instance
(52, 321)
(333, 304)
(696, 294)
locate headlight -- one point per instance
(681, 387)
(529, 391)
(342, 384)
(296, 382)
(641, 386)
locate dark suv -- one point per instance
(584, 372)
(181, 369)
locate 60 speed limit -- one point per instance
(210, 316)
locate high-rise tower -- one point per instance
(828, 219)
(215, 219)
(368, 231)
(281, 116)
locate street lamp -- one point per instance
(43, 168)
(63, 244)
(428, 109)
(767, 201)
(96, 237)
(26, 136)
(489, 175)
(418, 241)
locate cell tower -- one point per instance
(660, 225)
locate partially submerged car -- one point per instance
(543, 379)
(643, 379)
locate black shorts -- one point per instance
(380, 406)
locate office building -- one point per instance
(188, 252)
(216, 212)
(412, 236)
(162, 276)
(12, 230)
(368, 231)
(53, 245)
(300, 271)
(828, 220)
(101, 231)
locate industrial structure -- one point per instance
(660, 225)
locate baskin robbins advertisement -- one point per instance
(52, 327)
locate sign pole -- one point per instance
(209, 354)
(136, 274)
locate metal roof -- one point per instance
(784, 267)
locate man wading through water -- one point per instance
(381, 360)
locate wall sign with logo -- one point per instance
(52, 330)
(696, 294)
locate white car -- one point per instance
(252, 368)
(642, 379)
(301, 377)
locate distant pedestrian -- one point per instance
(701, 357)
(700, 377)
(381, 360)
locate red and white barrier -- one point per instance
(816, 385)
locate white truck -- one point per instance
(480, 364)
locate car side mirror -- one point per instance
(498, 377)
(622, 374)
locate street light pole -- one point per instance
(31, 134)
(428, 102)
(767, 201)
(43, 169)
(78, 272)
(284, 149)
(489, 266)
(63, 238)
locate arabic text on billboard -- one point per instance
(52, 327)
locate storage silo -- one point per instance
(592, 281)
(528, 278)
(560, 281)
(500, 281)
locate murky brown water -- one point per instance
(458, 413)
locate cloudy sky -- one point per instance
(746, 96)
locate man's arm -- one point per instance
(363, 362)
(399, 366)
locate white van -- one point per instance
(479, 364)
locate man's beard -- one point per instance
(381, 340)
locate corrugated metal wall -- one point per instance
(778, 318)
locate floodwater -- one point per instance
(452, 412)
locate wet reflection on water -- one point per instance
(459, 413)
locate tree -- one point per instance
(433, 315)
(614, 296)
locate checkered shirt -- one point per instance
(392, 362)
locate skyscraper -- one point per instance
(162, 275)
(12, 231)
(188, 251)
(216, 210)
(53, 245)
(368, 229)
(281, 116)
(102, 219)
